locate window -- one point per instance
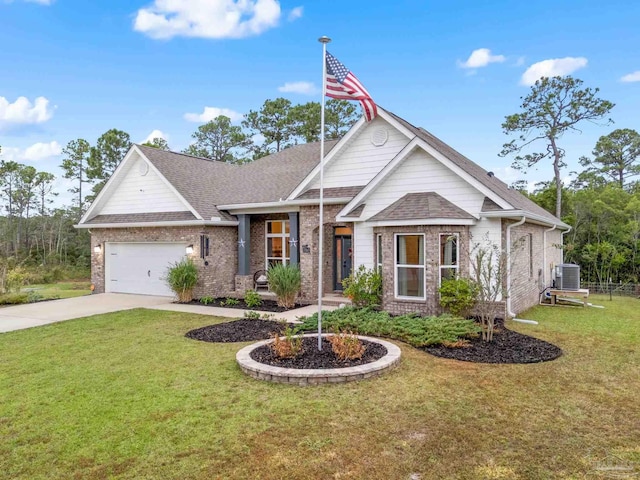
(379, 251)
(448, 256)
(409, 266)
(277, 242)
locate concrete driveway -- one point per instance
(42, 313)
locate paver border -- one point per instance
(307, 376)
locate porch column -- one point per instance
(244, 244)
(294, 239)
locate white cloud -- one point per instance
(304, 88)
(631, 77)
(554, 67)
(295, 13)
(481, 58)
(41, 2)
(155, 134)
(23, 112)
(34, 153)
(210, 113)
(166, 19)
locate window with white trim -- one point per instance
(409, 266)
(379, 251)
(277, 242)
(449, 253)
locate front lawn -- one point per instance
(126, 395)
(60, 289)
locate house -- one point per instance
(396, 197)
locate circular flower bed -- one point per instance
(313, 367)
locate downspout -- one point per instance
(509, 227)
(562, 237)
(544, 254)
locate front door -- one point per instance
(342, 253)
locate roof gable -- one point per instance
(423, 205)
(137, 187)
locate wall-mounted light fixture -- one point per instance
(189, 249)
(97, 248)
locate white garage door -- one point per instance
(140, 267)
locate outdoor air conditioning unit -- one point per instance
(568, 276)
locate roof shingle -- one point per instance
(421, 206)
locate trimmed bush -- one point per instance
(252, 299)
(285, 282)
(182, 277)
(458, 296)
(415, 330)
(364, 287)
(14, 298)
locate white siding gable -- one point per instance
(420, 172)
(361, 160)
(137, 193)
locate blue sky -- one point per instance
(455, 68)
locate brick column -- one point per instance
(294, 239)
(244, 244)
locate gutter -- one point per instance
(509, 227)
(285, 203)
(531, 217)
(187, 223)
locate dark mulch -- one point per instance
(266, 306)
(507, 347)
(244, 330)
(314, 358)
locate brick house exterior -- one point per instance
(393, 194)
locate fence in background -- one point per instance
(622, 289)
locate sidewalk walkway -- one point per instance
(289, 316)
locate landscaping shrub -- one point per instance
(206, 300)
(14, 298)
(285, 281)
(346, 345)
(251, 315)
(289, 345)
(413, 329)
(252, 299)
(458, 296)
(364, 287)
(230, 302)
(182, 277)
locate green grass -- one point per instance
(126, 395)
(60, 289)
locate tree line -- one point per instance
(32, 231)
(602, 202)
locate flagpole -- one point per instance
(324, 40)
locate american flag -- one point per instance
(344, 85)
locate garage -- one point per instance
(140, 267)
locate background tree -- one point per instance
(220, 141)
(340, 115)
(105, 157)
(274, 123)
(74, 166)
(157, 142)
(553, 107)
(616, 156)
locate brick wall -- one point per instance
(431, 305)
(309, 237)
(529, 274)
(215, 279)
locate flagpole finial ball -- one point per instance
(324, 39)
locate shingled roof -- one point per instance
(514, 197)
(141, 217)
(421, 206)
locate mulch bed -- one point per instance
(244, 330)
(266, 306)
(314, 358)
(507, 347)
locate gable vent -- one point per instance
(379, 136)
